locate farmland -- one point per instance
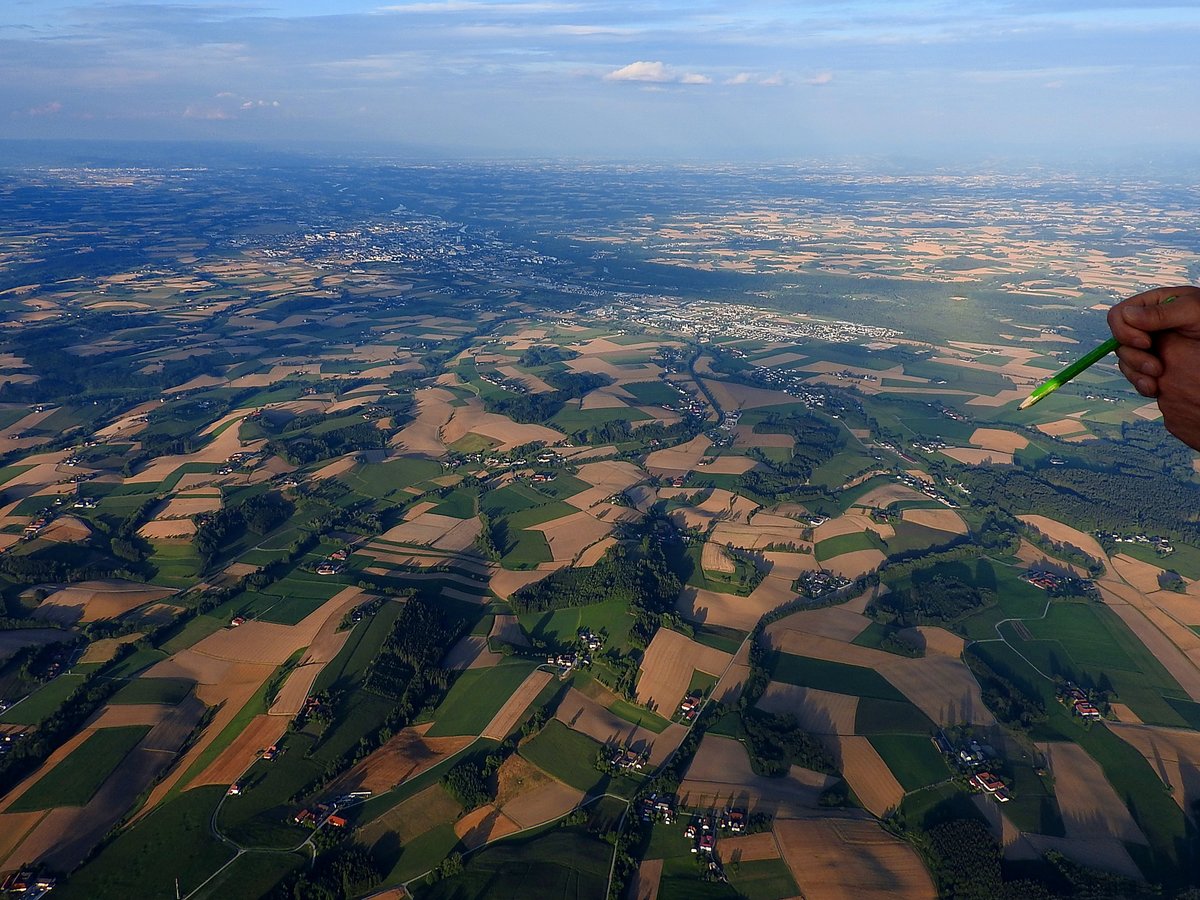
(492, 508)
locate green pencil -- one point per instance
(1052, 384)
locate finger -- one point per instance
(1140, 361)
(1124, 332)
(1143, 384)
(1182, 313)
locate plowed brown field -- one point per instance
(667, 669)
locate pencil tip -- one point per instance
(1028, 402)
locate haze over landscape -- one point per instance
(469, 450)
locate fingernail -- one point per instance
(1149, 368)
(1145, 386)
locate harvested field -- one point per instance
(834, 622)
(14, 828)
(508, 629)
(646, 879)
(484, 825)
(13, 640)
(543, 803)
(750, 847)
(505, 582)
(771, 530)
(66, 530)
(720, 774)
(858, 562)
(934, 640)
(570, 535)
(940, 519)
(89, 601)
(969, 456)
(1124, 714)
(1142, 576)
(1061, 427)
(818, 712)
(667, 667)
(732, 396)
(517, 777)
(422, 436)
(866, 772)
(745, 436)
(1091, 809)
(422, 811)
(473, 419)
(1173, 754)
(884, 496)
(713, 558)
(595, 552)
(999, 439)
(1105, 854)
(836, 858)
(185, 507)
(729, 465)
(262, 732)
(167, 529)
(1064, 534)
(851, 523)
(678, 460)
(514, 708)
(942, 686)
(585, 715)
(426, 529)
(743, 613)
(406, 755)
(471, 652)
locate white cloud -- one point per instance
(820, 79)
(52, 108)
(741, 78)
(640, 71)
(655, 72)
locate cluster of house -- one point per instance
(34, 528)
(658, 808)
(235, 462)
(689, 706)
(731, 420)
(588, 642)
(991, 785)
(1080, 703)
(335, 563)
(313, 706)
(27, 883)
(627, 760)
(1162, 546)
(327, 813)
(703, 828)
(819, 583)
(1048, 581)
(10, 739)
(922, 486)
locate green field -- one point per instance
(570, 420)
(192, 632)
(763, 879)
(476, 696)
(913, 759)
(831, 676)
(1085, 641)
(379, 480)
(172, 842)
(876, 637)
(570, 756)
(555, 865)
(43, 702)
(77, 777)
(877, 716)
(510, 499)
(654, 393)
(525, 549)
(420, 854)
(458, 504)
(848, 543)
(166, 691)
(559, 627)
(1185, 560)
(139, 659)
(252, 875)
(177, 563)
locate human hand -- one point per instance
(1160, 354)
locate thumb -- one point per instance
(1161, 316)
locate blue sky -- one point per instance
(659, 79)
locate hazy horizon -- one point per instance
(672, 81)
